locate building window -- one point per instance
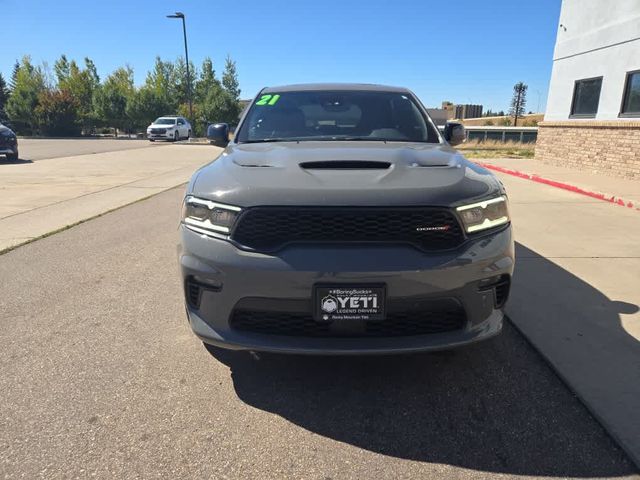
(586, 96)
(631, 98)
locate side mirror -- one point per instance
(454, 133)
(218, 134)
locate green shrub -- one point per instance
(57, 113)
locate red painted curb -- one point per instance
(564, 186)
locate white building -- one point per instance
(593, 109)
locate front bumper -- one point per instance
(161, 136)
(8, 149)
(233, 277)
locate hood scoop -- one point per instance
(345, 165)
(429, 165)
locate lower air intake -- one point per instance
(396, 324)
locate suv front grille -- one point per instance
(271, 228)
(396, 324)
(158, 130)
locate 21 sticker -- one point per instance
(268, 100)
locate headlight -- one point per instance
(206, 216)
(482, 215)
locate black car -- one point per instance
(8, 143)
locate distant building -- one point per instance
(449, 107)
(593, 109)
(440, 116)
(449, 111)
(467, 111)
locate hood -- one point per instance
(6, 130)
(342, 174)
(160, 125)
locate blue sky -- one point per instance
(466, 51)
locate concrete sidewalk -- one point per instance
(612, 189)
(577, 288)
(42, 197)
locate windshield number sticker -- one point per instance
(268, 100)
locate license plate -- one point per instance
(349, 302)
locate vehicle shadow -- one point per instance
(18, 161)
(492, 407)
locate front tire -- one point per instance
(151, 140)
(176, 136)
(12, 157)
(188, 134)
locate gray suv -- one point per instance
(340, 220)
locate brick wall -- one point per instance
(607, 147)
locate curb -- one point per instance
(567, 383)
(193, 144)
(564, 186)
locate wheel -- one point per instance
(12, 157)
(151, 140)
(188, 134)
(176, 136)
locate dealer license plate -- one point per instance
(349, 302)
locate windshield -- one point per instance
(338, 115)
(165, 121)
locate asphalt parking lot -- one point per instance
(102, 377)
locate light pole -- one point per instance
(186, 54)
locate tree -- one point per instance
(61, 68)
(92, 71)
(518, 102)
(145, 105)
(206, 82)
(88, 114)
(112, 97)
(82, 84)
(14, 75)
(220, 106)
(179, 88)
(223, 104)
(28, 84)
(4, 96)
(230, 78)
(57, 113)
(160, 80)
